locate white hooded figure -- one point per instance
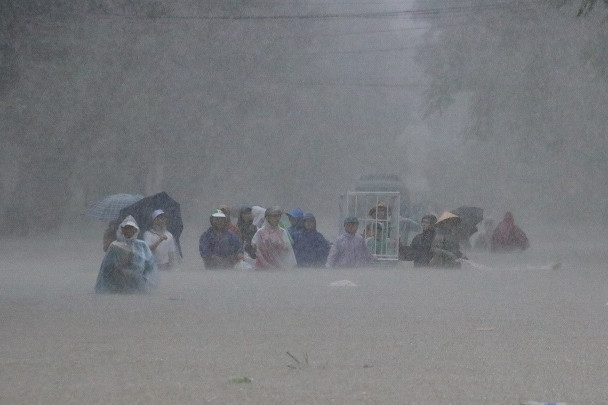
(259, 214)
(128, 265)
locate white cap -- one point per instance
(157, 213)
(218, 214)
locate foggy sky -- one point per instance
(264, 103)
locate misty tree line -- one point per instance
(534, 80)
(106, 96)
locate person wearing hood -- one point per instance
(161, 241)
(295, 217)
(272, 244)
(445, 246)
(128, 266)
(219, 247)
(420, 249)
(259, 215)
(311, 248)
(508, 237)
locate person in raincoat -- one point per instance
(272, 244)
(128, 266)
(161, 241)
(259, 215)
(445, 246)
(349, 250)
(508, 237)
(420, 249)
(311, 248)
(219, 247)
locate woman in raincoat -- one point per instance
(508, 237)
(128, 265)
(272, 243)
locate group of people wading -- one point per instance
(261, 240)
(439, 246)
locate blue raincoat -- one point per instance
(310, 247)
(128, 265)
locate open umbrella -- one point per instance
(109, 207)
(142, 212)
(469, 218)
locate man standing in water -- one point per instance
(349, 250)
(420, 249)
(445, 246)
(219, 247)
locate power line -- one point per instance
(348, 84)
(411, 13)
(365, 51)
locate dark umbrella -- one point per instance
(469, 218)
(108, 208)
(142, 212)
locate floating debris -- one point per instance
(240, 379)
(298, 364)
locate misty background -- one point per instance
(499, 104)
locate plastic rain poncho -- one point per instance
(128, 265)
(273, 248)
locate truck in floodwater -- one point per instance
(381, 203)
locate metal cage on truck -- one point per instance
(380, 232)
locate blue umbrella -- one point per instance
(108, 208)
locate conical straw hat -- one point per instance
(447, 216)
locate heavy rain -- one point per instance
(495, 104)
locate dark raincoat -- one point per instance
(420, 249)
(219, 249)
(311, 248)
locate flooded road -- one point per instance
(514, 331)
